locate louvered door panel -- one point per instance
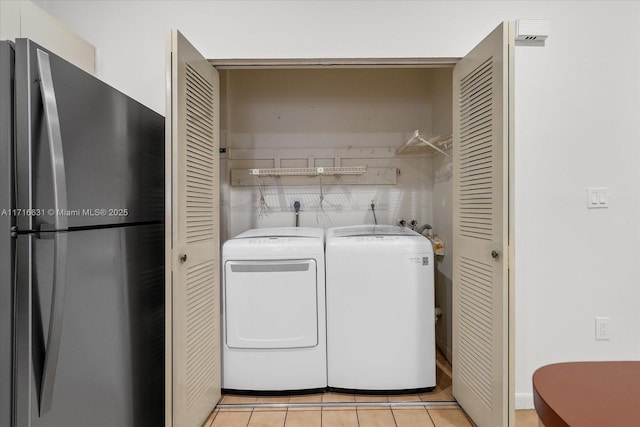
(201, 161)
(201, 324)
(193, 333)
(475, 327)
(476, 153)
(480, 228)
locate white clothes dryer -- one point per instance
(274, 330)
(380, 309)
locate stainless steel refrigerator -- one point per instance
(81, 248)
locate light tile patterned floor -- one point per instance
(353, 416)
(527, 418)
(360, 417)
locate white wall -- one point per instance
(577, 109)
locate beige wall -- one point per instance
(23, 19)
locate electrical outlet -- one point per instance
(602, 328)
(293, 208)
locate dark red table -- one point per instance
(589, 394)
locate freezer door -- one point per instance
(110, 366)
(85, 151)
(7, 243)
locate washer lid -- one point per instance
(370, 230)
(316, 233)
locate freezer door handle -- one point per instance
(60, 244)
(55, 140)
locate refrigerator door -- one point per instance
(110, 366)
(86, 152)
(7, 220)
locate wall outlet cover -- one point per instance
(602, 329)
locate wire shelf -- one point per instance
(327, 171)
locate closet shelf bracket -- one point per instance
(418, 144)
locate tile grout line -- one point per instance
(430, 417)
(394, 416)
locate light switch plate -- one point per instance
(597, 197)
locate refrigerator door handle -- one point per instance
(60, 244)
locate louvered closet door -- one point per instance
(480, 229)
(193, 282)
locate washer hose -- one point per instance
(424, 227)
(296, 207)
(373, 209)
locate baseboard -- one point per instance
(524, 400)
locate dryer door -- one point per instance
(271, 304)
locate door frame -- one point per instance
(420, 62)
(400, 62)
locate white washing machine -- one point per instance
(274, 330)
(380, 309)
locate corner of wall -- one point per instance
(36, 24)
(9, 20)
